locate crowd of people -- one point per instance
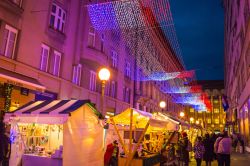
(214, 147)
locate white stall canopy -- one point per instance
(141, 118)
(46, 112)
(82, 131)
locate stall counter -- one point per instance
(153, 160)
(29, 160)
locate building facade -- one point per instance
(237, 61)
(49, 50)
(213, 120)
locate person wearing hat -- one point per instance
(111, 154)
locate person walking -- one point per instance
(2, 129)
(242, 145)
(223, 148)
(213, 139)
(208, 145)
(184, 144)
(199, 150)
(235, 142)
(7, 148)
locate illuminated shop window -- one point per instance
(216, 121)
(209, 121)
(216, 110)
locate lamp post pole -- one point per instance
(104, 75)
(102, 96)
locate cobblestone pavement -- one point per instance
(237, 159)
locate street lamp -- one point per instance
(182, 114)
(162, 105)
(103, 75)
(197, 122)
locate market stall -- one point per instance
(57, 132)
(141, 135)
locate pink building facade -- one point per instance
(54, 44)
(237, 61)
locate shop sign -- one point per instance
(24, 91)
(47, 95)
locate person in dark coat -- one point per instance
(1, 141)
(184, 154)
(208, 155)
(242, 145)
(7, 149)
(213, 139)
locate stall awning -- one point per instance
(141, 118)
(176, 120)
(49, 112)
(20, 80)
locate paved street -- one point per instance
(236, 160)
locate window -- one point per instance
(57, 63)
(92, 82)
(126, 94)
(9, 42)
(216, 110)
(114, 58)
(113, 89)
(50, 63)
(127, 69)
(91, 37)
(57, 18)
(107, 88)
(191, 109)
(216, 121)
(77, 73)
(44, 58)
(102, 43)
(209, 121)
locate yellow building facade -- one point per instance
(213, 120)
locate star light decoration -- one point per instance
(147, 29)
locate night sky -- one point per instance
(200, 30)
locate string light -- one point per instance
(147, 29)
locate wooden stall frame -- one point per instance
(131, 132)
(131, 155)
(119, 136)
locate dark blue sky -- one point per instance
(200, 30)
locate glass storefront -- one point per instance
(244, 122)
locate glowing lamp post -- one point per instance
(103, 75)
(162, 104)
(182, 114)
